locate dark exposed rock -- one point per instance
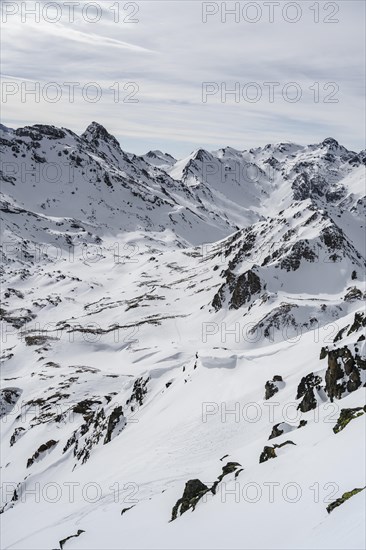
(13, 292)
(340, 334)
(18, 317)
(284, 427)
(342, 373)
(126, 509)
(247, 285)
(193, 492)
(276, 431)
(138, 393)
(116, 424)
(331, 143)
(62, 542)
(306, 390)
(346, 416)
(39, 131)
(279, 318)
(8, 399)
(343, 499)
(229, 468)
(270, 452)
(299, 251)
(41, 451)
(267, 454)
(86, 407)
(239, 290)
(353, 294)
(273, 386)
(15, 497)
(17, 434)
(38, 340)
(359, 322)
(88, 435)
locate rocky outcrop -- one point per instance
(343, 374)
(38, 340)
(17, 318)
(8, 400)
(306, 388)
(139, 392)
(116, 424)
(273, 386)
(299, 251)
(346, 416)
(281, 319)
(346, 496)
(62, 542)
(270, 452)
(284, 427)
(87, 435)
(247, 285)
(229, 468)
(238, 290)
(41, 452)
(17, 434)
(193, 492)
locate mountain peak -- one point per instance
(95, 133)
(330, 142)
(202, 155)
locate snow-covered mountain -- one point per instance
(165, 325)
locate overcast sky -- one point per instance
(169, 52)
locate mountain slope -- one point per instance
(181, 356)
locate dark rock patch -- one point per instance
(346, 416)
(346, 496)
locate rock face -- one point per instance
(347, 363)
(229, 468)
(41, 452)
(63, 541)
(193, 492)
(346, 416)
(38, 340)
(277, 430)
(283, 427)
(18, 432)
(8, 400)
(270, 452)
(87, 435)
(306, 389)
(247, 285)
(343, 373)
(346, 496)
(238, 290)
(273, 386)
(116, 424)
(17, 317)
(138, 393)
